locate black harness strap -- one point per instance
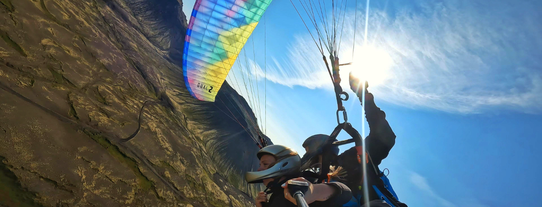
(327, 159)
(357, 139)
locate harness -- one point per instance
(380, 183)
(383, 190)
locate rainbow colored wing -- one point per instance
(217, 32)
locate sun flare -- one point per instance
(371, 64)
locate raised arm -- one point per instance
(381, 137)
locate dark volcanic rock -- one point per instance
(73, 78)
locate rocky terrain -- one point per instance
(74, 76)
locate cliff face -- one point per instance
(73, 78)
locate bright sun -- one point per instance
(371, 64)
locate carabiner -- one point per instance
(345, 116)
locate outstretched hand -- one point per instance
(355, 85)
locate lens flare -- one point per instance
(371, 64)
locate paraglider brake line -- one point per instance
(339, 93)
(139, 121)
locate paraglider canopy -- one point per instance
(217, 32)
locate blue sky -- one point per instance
(462, 90)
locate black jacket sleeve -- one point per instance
(341, 196)
(381, 137)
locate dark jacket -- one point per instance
(377, 145)
(341, 196)
(381, 137)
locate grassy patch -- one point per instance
(169, 114)
(216, 202)
(167, 165)
(144, 183)
(51, 16)
(194, 184)
(211, 199)
(7, 4)
(72, 111)
(11, 191)
(103, 111)
(99, 97)
(83, 41)
(58, 77)
(235, 179)
(12, 43)
(54, 183)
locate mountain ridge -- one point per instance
(73, 78)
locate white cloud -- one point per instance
(447, 56)
(430, 197)
(300, 69)
(422, 184)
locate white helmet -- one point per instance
(287, 162)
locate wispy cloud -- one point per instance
(466, 57)
(304, 67)
(421, 183)
(432, 198)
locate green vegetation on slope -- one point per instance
(11, 191)
(144, 183)
(12, 43)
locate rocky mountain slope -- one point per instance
(74, 75)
